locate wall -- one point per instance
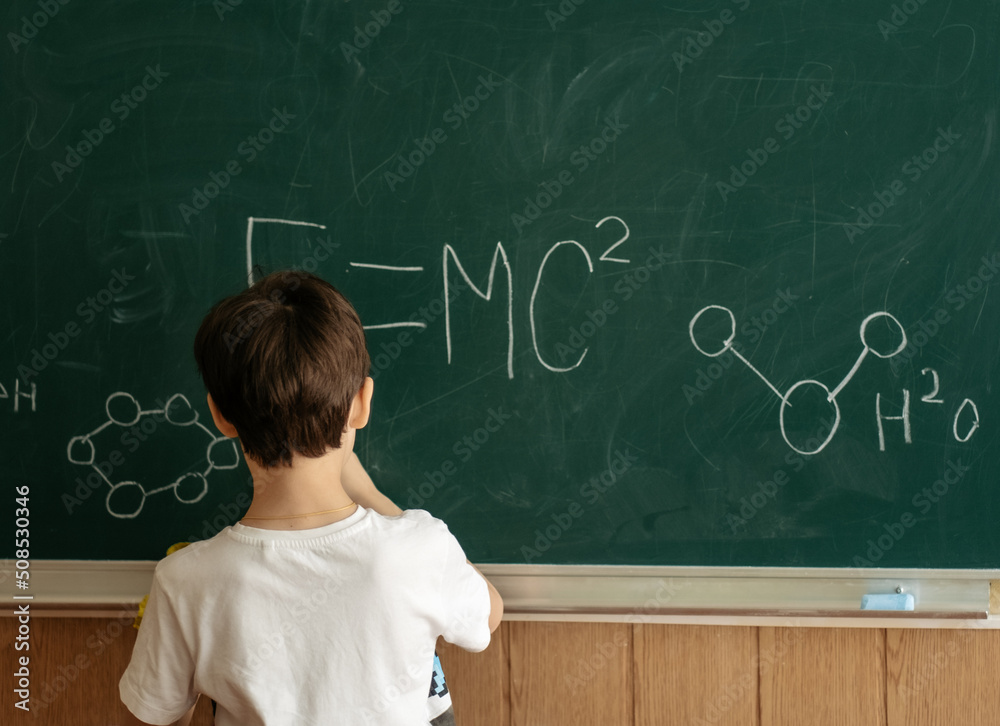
(548, 674)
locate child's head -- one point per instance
(283, 360)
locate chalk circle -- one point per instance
(902, 333)
(975, 421)
(84, 451)
(833, 429)
(225, 450)
(729, 341)
(191, 487)
(178, 411)
(128, 404)
(128, 496)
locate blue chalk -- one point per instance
(895, 601)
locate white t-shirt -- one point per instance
(333, 625)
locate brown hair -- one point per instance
(283, 360)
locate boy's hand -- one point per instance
(360, 488)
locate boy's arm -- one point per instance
(496, 602)
(360, 487)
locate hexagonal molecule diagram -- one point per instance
(123, 410)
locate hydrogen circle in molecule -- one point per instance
(727, 343)
(869, 346)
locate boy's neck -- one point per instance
(299, 496)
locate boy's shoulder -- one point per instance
(409, 521)
(412, 530)
(410, 517)
(414, 536)
(181, 563)
(412, 522)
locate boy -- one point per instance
(313, 609)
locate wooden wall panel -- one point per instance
(943, 676)
(75, 667)
(547, 674)
(570, 674)
(690, 674)
(822, 676)
(479, 682)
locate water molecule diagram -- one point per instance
(123, 410)
(831, 395)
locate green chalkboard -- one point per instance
(647, 283)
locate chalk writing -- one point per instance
(123, 410)
(451, 266)
(831, 396)
(29, 394)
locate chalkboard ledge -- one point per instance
(785, 597)
(80, 588)
(813, 597)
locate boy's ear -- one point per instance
(361, 406)
(226, 428)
